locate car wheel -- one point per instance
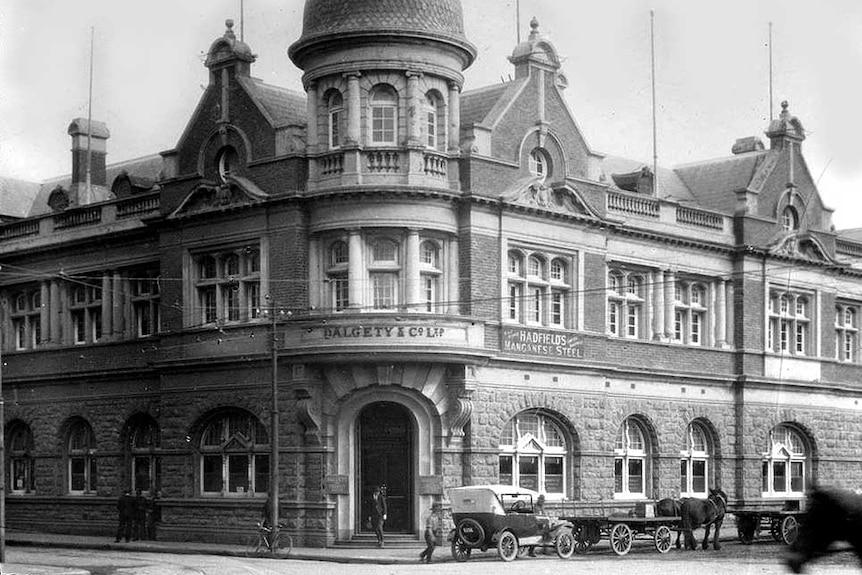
(564, 544)
(471, 532)
(507, 546)
(460, 550)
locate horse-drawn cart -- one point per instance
(783, 524)
(621, 530)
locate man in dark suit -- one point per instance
(378, 513)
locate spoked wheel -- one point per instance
(564, 544)
(663, 538)
(621, 538)
(283, 544)
(789, 529)
(254, 546)
(507, 546)
(460, 550)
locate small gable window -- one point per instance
(227, 161)
(789, 219)
(539, 164)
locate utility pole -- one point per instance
(273, 482)
(2, 459)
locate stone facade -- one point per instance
(425, 286)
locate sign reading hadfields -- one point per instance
(542, 343)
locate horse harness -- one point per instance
(715, 505)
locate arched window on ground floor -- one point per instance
(533, 453)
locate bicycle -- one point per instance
(262, 543)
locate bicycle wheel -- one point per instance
(283, 544)
(254, 545)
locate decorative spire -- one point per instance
(229, 33)
(534, 28)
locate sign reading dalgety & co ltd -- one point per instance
(542, 343)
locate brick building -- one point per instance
(434, 284)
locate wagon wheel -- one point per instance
(471, 532)
(621, 538)
(564, 544)
(745, 528)
(775, 529)
(460, 550)
(507, 546)
(582, 539)
(789, 529)
(662, 538)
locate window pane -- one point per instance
(77, 466)
(779, 476)
(528, 472)
(698, 476)
(636, 476)
(261, 473)
(212, 473)
(237, 473)
(141, 471)
(554, 474)
(764, 473)
(618, 475)
(683, 476)
(796, 476)
(506, 469)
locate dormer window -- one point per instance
(384, 115)
(228, 161)
(539, 164)
(789, 219)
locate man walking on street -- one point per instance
(126, 512)
(432, 530)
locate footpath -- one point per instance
(391, 555)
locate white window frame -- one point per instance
(234, 445)
(626, 300)
(383, 116)
(847, 332)
(535, 436)
(787, 447)
(696, 452)
(627, 453)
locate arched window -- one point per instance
(694, 462)
(19, 444)
(689, 325)
(384, 115)
(335, 107)
(234, 455)
(789, 219)
(846, 332)
(81, 461)
(539, 165)
(515, 271)
(430, 122)
(143, 443)
(785, 463)
(533, 454)
(337, 277)
(384, 274)
(631, 451)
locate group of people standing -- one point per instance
(138, 516)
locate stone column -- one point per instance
(721, 313)
(313, 119)
(414, 110)
(119, 305)
(453, 268)
(658, 305)
(355, 270)
(56, 312)
(411, 270)
(45, 310)
(454, 131)
(670, 282)
(108, 295)
(353, 109)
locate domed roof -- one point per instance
(433, 19)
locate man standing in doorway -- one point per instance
(378, 513)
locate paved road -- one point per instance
(736, 559)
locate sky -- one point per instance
(712, 80)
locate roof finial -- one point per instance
(534, 25)
(229, 32)
(784, 112)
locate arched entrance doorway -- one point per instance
(386, 436)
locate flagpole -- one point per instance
(654, 136)
(770, 72)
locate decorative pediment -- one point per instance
(534, 193)
(235, 192)
(800, 246)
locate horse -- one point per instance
(669, 507)
(830, 515)
(706, 513)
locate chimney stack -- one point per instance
(96, 147)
